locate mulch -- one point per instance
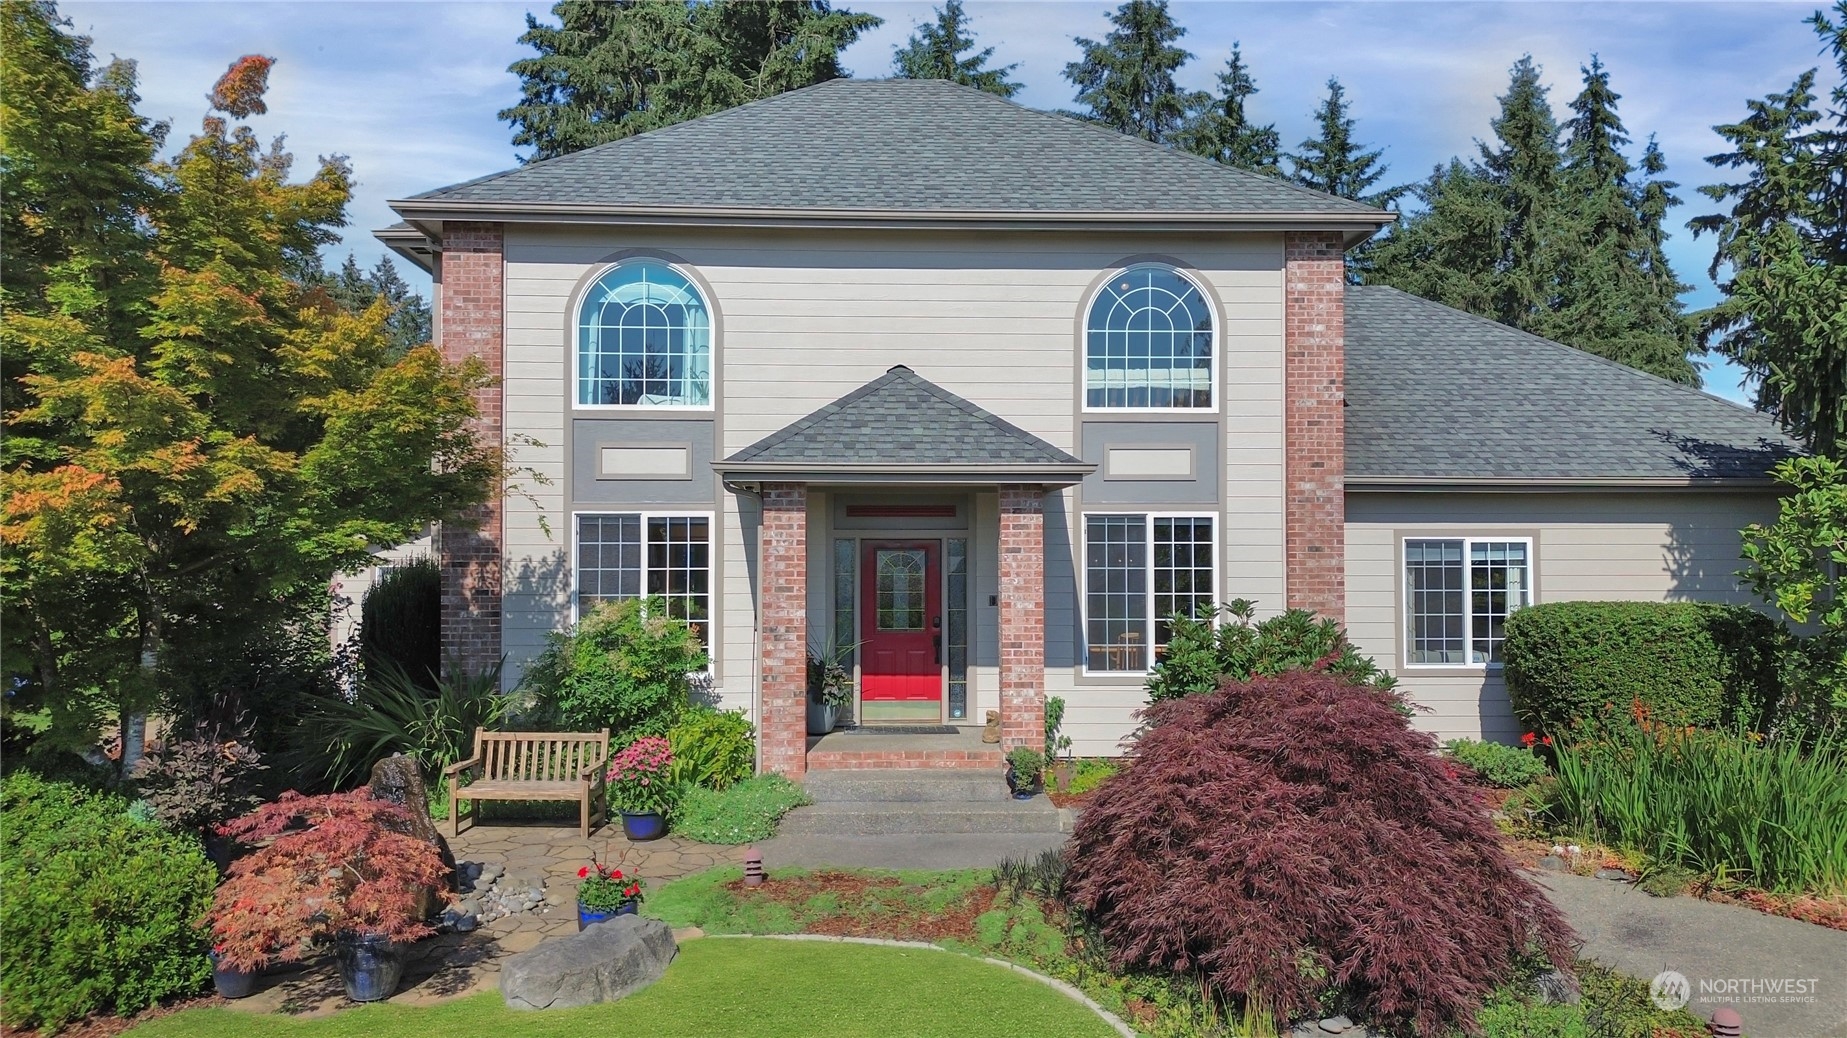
(871, 906)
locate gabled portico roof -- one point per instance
(899, 428)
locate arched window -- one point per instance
(644, 339)
(1148, 342)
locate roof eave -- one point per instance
(1554, 484)
(410, 243)
(1356, 226)
(1049, 475)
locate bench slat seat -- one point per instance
(533, 766)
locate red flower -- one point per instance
(632, 891)
(615, 873)
(1529, 739)
(585, 871)
(1547, 740)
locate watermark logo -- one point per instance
(1670, 990)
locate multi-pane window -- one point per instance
(1459, 592)
(1148, 342)
(644, 338)
(632, 556)
(1139, 570)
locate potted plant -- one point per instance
(1025, 771)
(640, 787)
(830, 687)
(1057, 745)
(333, 869)
(605, 893)
(230, 981)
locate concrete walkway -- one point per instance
(1709, 944)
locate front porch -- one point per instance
(905, 528)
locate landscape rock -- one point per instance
(1615, 874)
(397, 779)
(1554, 862)
(603, 963)
(1336, 1024)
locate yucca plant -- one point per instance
(391, 713)
(1737, 806)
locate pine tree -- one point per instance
(1222, 129)
(1126, 82)
(614, 68)
(935, 51)
(1337, 164)
(1526, 169)
(1781, 252)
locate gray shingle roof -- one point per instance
(1437, 393)
(899, 145)
(901, 418)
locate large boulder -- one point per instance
(397, 779)
(605, 962)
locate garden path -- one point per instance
(453, 965)
(1643, 935)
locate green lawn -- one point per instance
(727, 986)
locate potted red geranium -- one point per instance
(334, 869)
(606, 892)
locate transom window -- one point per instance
(1139, 570)
(1459, 592)
(644, 339)
(1148, 342)
(637, 555)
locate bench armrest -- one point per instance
(462, 765)
(593, 771)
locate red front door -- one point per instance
(901, 633)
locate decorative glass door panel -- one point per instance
(901, 655)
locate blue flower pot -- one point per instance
(232, 983)
(370, 965)
(586, 916)
(648, 825)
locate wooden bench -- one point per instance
(533, 766)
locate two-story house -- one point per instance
(987, 392)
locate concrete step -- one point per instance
(906, 786)
(1037, 815)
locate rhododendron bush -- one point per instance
(1292, 833)
(326, 864)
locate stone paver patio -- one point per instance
(453, 965)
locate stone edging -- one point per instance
(1052, 982)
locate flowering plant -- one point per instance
(606, 889)
(638, 782)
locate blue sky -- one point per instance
(409, 91)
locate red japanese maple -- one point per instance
(1288, 834)
(325, 864)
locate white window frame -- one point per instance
(1468, 599)
(1083, 579)
(1083, 347)
(574, 324)
(713, 545)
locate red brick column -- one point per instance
(1314, 428)
(470, 321)
(1022, 617)
(782, 562)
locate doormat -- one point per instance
(903, 729)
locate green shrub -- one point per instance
(1692, 663)
(1507, 767)
(1769, 813)
(712, 748)
(1090, 773)
(1202, 654)
(99, 912)
(625, 667)
(400, 621)
(745, 813)
(1612, 1006)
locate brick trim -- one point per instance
(1022, 616)
(1314, 427)
(782, 720)
(470, 321)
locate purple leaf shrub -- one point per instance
(1287, 834)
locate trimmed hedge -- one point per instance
(1689, 663)
(99, 911)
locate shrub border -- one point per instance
(1054, 983)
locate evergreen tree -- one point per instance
(1222, 129)
(355, 290)
(1126, 82)
(614, 68)
(1525, 169)
(1336, 163)
(1781, 252)
(936, 51)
